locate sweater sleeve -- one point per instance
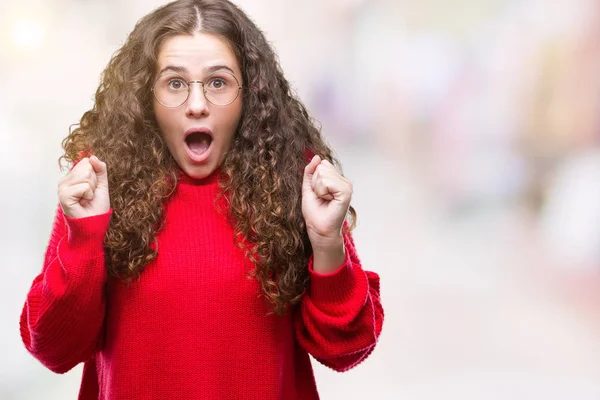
(63, 315)
(339, 319)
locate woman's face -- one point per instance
(198, 133)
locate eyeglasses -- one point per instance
(219, 88)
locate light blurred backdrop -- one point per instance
(471, 131)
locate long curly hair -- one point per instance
(261, 175)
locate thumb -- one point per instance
(309, 170)
(100, 170)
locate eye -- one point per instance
(176, 84)
(217, 84)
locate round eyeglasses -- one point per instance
(219, 88)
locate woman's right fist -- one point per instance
(83, 192)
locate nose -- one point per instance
(196, 105)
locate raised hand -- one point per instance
(326, 198)
(83, 192)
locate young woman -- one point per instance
(201, 247)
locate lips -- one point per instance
(198, 143)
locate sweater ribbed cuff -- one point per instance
(92, 229)
(340, 285)
(84, 243)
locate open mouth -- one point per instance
(198, 142)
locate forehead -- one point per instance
(196, 53)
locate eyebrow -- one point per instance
(182, 70)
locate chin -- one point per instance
(199, 171)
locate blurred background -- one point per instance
(471, 131)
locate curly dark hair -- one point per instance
(261, 175)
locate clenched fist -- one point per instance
(83, 192)
(326, 198)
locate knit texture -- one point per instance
(193, 326)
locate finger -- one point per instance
(330, 181)
(322, 187)
(309, 170)
(327, 170)
(312, 165)
(76, 172)
(100, 170)
(80, 171)
(79, 191)
(85, 175)
(327, 196)
(73, 178)
(326, 164)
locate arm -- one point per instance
(340, 317)
(62, 319)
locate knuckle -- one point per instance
(61, 187)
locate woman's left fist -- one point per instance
(326, 198)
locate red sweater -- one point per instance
(193, 326)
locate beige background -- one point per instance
(471, 132)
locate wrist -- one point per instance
(329, 257)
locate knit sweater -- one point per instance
(193, 326)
